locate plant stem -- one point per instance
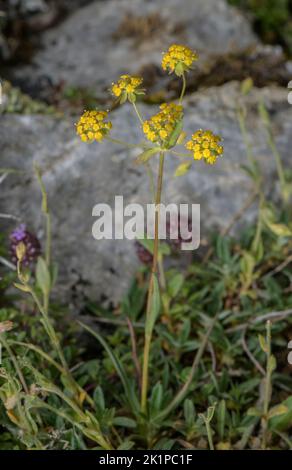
(48, 240)
(268, 386)
(183, 88)
(242, 125)
(259, 228)
(180, 154)
(279, 164)
(148, 336)
(138, 113)
(209, 434)
(121, 142)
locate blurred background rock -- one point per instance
(59, 57)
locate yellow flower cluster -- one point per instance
(127, 87)
(160, 127)
(178, 59)
(205, 144)
(92, 126)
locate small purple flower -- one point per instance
(19, 233)
(30, 241)
(175, 243)
(143, 254)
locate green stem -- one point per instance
(148, 336)
(121, 142)
(179, 154)
(138, 113)
(242, 125)
(268, 386)
(209, 434)
(258, 234)
(48, 240)
(279, 164)
(184, 85)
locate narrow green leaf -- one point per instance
(263, 343)
(182, 169)
(189, 412)
(221, 411)
(98, 398)
(126, 445)
(175, 135)
(124, 422)
(272, 363)
(278, 411)
(175, 284)
(280, 230)
(43, 276)
(210, 412)
(130, 394)
(155, 307)
(283, 422)
(246, 86)
(254, 412)
(156, 398)
(21, 287)
(145, 156)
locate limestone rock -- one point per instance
(78, 176)
(97, 43)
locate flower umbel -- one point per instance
(92, 126)
(178, 59)
(127, 88)
(205, 144)
(24, 246)
(160, 127)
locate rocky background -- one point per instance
(58, 58)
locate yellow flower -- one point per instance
(127, 88)
(160, 127)
(178, 59)
(92, 126)
(205, 144)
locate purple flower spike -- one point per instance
(30, 241)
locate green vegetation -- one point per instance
(272, 19)
(14, 101)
